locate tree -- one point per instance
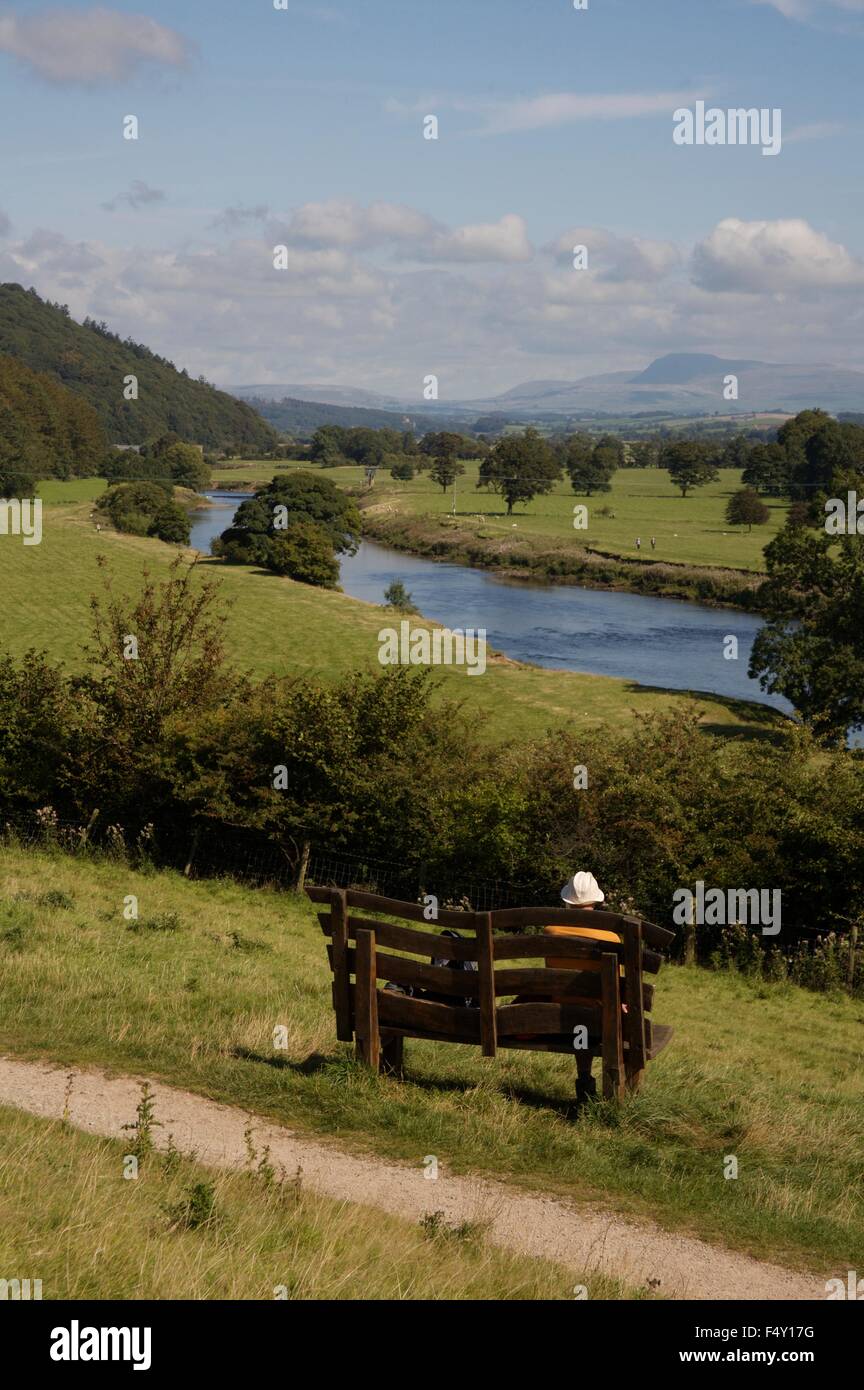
(767, 469)
(746, 508)
(811, 649)
(304, 551)
(591, 471)
(16, 481)
(397, 596)
(171, 523)
(735, 452)
(186, 466)
(402, 470)
(327, 448)
(270, 516)
(519, 468)
(445, 470)
(689, 464)
(132, 507)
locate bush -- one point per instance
(304, 551)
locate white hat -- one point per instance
(582, 889)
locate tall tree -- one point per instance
(689, 464)
(519, 468)
(746, 508)
(811, 649)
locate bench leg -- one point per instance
(613, 1043)
(392, 1050)
(634, 1079)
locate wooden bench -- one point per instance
(361, 952)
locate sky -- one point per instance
(303, 127)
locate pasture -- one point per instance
(769, 1074)
(278, 626)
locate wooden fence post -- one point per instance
(690, 937)
(304, 867)
(193, 847)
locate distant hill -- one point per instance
(688, 383)
(679, 383)
(91, 361)
(323, 395)
(302, 418)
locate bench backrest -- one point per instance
(361, 952)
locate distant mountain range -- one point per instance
(681, 383)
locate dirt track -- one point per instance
(584, 1240)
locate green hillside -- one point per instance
(93, 362)
(303, 418)
(45, 429)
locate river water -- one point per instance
(651, 641)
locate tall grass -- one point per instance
(767, 1072)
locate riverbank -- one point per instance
(287, 629)
(467, 540)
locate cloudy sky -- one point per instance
(304, 127)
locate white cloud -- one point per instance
(345, 223)
(617, 259)
(772, 257)
(563, 108)
(137, 195)
(505, 241)
(93, 45)
(412, 235)
(338, 314)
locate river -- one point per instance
(652, 641)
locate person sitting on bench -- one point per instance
(582, 890)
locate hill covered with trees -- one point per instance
(45, 430)
(94, 363)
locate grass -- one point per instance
(287, 628)
(770, 1074)
(688, 530)
(178, 1230)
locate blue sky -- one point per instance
(261, 127)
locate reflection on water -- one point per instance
(651, 641)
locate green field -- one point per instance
(688, 530)
(278, 626)
(768, 1073)
(70, 1218)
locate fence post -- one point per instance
(192, 848)
(853, 943)
(690, 938)
(304, 867)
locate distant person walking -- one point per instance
(653, 542)
(638, 542)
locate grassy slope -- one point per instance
(280, 626)
(770, 1074)
(70, 1218)
(688, 530)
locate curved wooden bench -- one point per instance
(361, 952)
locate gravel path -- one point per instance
(583, 1239)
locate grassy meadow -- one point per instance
(688, 530)
(192, 991)
(180, 1231)
(279, 626)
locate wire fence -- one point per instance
(249, 856)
